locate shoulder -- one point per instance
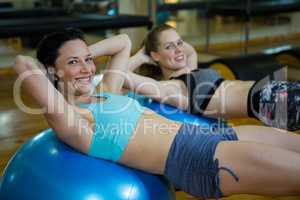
(206, 74)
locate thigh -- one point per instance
(268, 135)
(261, 169)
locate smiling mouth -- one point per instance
(84, 80)
(179, 58)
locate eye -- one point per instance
(89, 59)
(168, 47)
(73, 62)
(180, 43)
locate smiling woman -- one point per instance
(64, 63)
(170, 53)
(205, 91)
(70, 62)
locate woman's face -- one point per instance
(75, 67)
(170, 53)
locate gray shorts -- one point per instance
(190, 164)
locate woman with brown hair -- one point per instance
(204, 91)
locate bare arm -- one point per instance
(138, 59)
(118, 47)
(169, 92)
(192, 57)
(61, 116)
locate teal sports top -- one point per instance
(115, 120)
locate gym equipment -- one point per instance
(45, 168)
(12, 13)
(38, 22)
(291, 59)
(246, 9)
(174, 113)
(249, 67)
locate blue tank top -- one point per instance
(115, 121)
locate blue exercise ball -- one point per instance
(45, 168)
(176, 114)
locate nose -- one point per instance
(178, 49)
(86, 67)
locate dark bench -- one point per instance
(36, 22)
(37, 26)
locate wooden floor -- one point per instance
(15, 125)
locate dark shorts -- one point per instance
(190, 164)
(201, 85)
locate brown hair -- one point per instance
(151, 41)
(48, 48)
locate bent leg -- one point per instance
(268, 135)
(276, 103)
(262, 169)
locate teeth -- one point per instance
(84, 80)
(179, 58)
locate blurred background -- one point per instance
(216, 28)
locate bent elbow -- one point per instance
(126, 40)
